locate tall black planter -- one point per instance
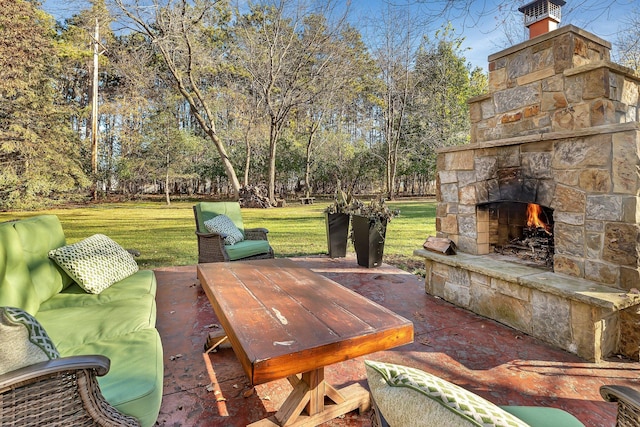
(368, 240)
(337, 234)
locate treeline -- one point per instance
(199, 97)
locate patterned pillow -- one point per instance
(411, 397)
(223, 225)
(24, 340)
(95, 263)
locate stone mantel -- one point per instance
(546, 136)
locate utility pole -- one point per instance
(94, 112)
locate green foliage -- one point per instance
(39, 155)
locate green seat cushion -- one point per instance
(38, 235)
(141, 283)
(16, 288)
(247, 248)
(77, 325)
(134, 382)
(537, 416)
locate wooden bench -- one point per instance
(307, 200)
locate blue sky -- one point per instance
(480, 26)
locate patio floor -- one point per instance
(495, 361)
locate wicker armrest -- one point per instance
(60, 390)
(628, 403)
(256, 233)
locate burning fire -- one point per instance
(533, 218)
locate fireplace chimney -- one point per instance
(542, 16)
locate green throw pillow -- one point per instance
(223, 225)
(24, 340)
(95, 263)
(410, 397)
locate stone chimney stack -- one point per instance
(542, 16)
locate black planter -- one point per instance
(368, 240)
(337, 234)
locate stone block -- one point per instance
(505, 309)
(475, 112)
(563, 120)
(467, 244)
(595, 180)
(604, 207)
(517, 97)
(621, 243)
(531, 111)
(497, 80)
(630, 333)
(510, 118)
(569, 199)
(552, 101)
(553, 84)
(626, 162)
(459, 160)
(467, 195)
(569, 240)
(580, 153)
(601, 272)
(581, 116)
(631, 209)
(457, 293)
(467, 226)
(567, 265)
(629, 278)
(435, 284)
(485, 168)
(449, 193)
(602, 112)
(546, 192)
(449, 224)
(511, 289)
(520, 64)
(586, 332)
(536, 165)
(630, 92)
(573, 89)
(596, 84)
(551, 319)
(448, 177)
(487, 109)
(610, 335)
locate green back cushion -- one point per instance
(38, 235)
(24, 340)
(411, 397)
(16, 287)
(209, 210)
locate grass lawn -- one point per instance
(165, 234)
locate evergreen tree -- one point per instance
(39, 155)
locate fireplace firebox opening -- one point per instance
(522, 232)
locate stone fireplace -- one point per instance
(558, 129)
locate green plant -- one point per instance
(341, 203)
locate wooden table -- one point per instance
(283, 320)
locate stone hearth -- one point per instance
(558, 128)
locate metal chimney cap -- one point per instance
(540, 9)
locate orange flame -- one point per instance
(533, 217)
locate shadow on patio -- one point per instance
(492, 360)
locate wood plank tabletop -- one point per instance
(283, 319)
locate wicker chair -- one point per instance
(628, 404)
(211, 246)
(59, 392)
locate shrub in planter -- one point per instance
(369, 228)
(337, 217)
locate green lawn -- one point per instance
(165, 234)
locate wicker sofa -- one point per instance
(110, 365)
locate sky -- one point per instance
(480, 25)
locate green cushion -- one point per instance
(134, 382)
(24, 340)
(95, 263)
(16, 287)
(411, 397)
(38, 235)
(141, 283)
(72, 326)
(207, 210)
(537, 416)
(247, 248)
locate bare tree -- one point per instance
(286, 48)
(186, 35)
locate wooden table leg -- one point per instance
(305, 405)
